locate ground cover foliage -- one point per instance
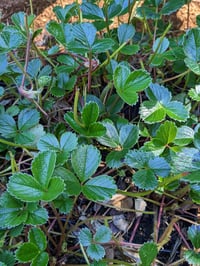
(100, 137)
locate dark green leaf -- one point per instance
(91, 11)
(7, 257)
(28, 119)
(115, 158)
(128, 136)
(10, 38)
(26, 252)
(90, 113)
(99, 188)
(3, 65)
(37, 237)
(111, 138)
(130, 49)
(159, 166)
(64, 203)
(191, 44)
(85, 160)
(64, 14)
(171, 6)
(42, 259)
(177, 111)
(160, 45)
(145, 179)
(8, 127)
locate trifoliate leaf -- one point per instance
(138, 159)
(48, 142)
(152, 112)
(111, 138)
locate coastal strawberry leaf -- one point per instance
(184, 136)
(95, 251)
(160, 45)
(48, 142)
(148, 253)
(85, 161)
(90, 113)
(128, 136)
(125, 32)
(152, 112)
(138, 159)
(91, 11)
(111, 138)
(103, 234)
(42, 259)
(64, 203)
(156, 92)
(27, 252)
(85, 33)
(85, 237)
(159, 166)
(165, 134)
(64, 14)
(99, 188)
(191, 44)
(115, 158)
(145, 179)
(195, 93)
(192, 65)
(194, 235)
(8, 126)
(171, 6)
(177, 111)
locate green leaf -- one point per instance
(195, 93)
(37, 217)
(138, 159)
(125, 33)
(159, 166)
(184, 136)
(8, 127)
(42, 259)
(152, 112)
(130, 49)
(28, 119)
(91, 11)
(85, 237)
(43, 166)
(192, 65)
(48, 142)
(95, 252)
(172, 6)
(194, 235)
(128, 84)
(99, 188)
(7, 258)
(192, 257)
(160, 45)
(57, 31)
(155, 92)
(148, 253)
(115, 158)
(103, 234)
(90, 113)
(145, 179)
(195, 192)
(64, 203)
(3, 68)
(177, 111)
(26, 252)
(191, 44)
(165, 134)
(37, 237)
(64, 14)
(111, 138)
(128, 136)
(85, 33)
(102, 45)
(85, 161)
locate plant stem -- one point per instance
(12, 144)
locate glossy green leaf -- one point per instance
(3, 66)
(90, 113)
(99, 188)
(194, 235)
(57, 31)
(91, 11)
(148, 253)
(111, 138)
(125, 32)
(120, 76)
(184, 136)
(152, 112)
(165, 134)
(85, 161)
(159, 93)
(85, 237)
(103, 234)
(43, 166)
(145, 179)
(195, 193)
(128, 135)
(192, 257)
(160, 45)
(7, 258)
(177, 111)
(64, 13)
(95, 251)
(191, 44)
(114, 9)
(37, 237)
(159, 166)
(172, 6)
(26, 252)
(42, 259)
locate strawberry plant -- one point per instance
(99, 137)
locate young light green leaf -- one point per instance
(152, 112)
(103, 234)
(195, 93)
(99, 188)
(125, 32)
(165, 134)
(145, 179)
(85, 237)
(148, 253)
(95, 252)
(85, 160)
(90, 113)
(27, 252)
